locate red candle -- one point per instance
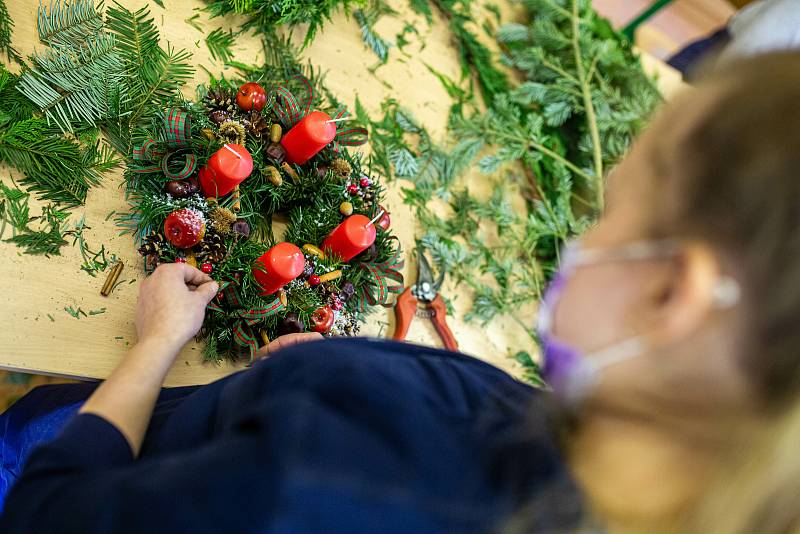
(351, 238)
(308, 137)
(226, 169)
(278, 266)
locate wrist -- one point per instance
(160, 346)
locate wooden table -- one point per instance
(90, 347)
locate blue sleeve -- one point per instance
(86, 480)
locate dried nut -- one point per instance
(273, 175)
(333, 275)
(314, 251)
(346, 208)
(275, 132)
(288, 169)
(283, 298)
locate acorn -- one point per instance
(275, 133)
(273, 175)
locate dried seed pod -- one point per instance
(208, 133)
(341, 167)
(276, 153)
(288, 169)
(313, 251)
(222, 219)
(283, 298)
(232, 132)
(333, 275)
(273, 175)
(346, 208)
(218, 117)
(275, 132)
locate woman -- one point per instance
(670, 341)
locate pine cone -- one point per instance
(232, 132)
(211, 248)
(153, 244)
(219, 99)
(256, 125)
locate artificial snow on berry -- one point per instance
(364, 181)
(314, 280)
(352, 189)
(207, 268)
(337, 304)
(180, 260)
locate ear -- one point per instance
(685, 296)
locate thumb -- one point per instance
(207, 291)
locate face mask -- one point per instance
(571, 374)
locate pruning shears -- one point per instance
(425, 291)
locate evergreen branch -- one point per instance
(69, 22)
(588, 104)
(366, 20)
(71, 86)
(6, 35)
(219, 44)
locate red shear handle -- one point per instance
(440, 323)
(404, 310)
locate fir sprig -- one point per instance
(266, 15)
(6, 35)
(219, 43)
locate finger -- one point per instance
(292, 339)
(192, 275)
(207, 291)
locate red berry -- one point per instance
(313, 280)
(352, 189)
(251, 96)
(364, 182)
(207, 268)
(337, 304)
(184, 228)
(180, 260)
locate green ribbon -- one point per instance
(244, 319)
(381, 276)
(177, 137)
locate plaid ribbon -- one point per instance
(244, 319)
(381, 277)
(290, 110)
(177, 135)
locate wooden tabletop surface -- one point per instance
(40, 288)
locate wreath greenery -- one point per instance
(322, 192)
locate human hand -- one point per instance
(172, 304)
(287, 341)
